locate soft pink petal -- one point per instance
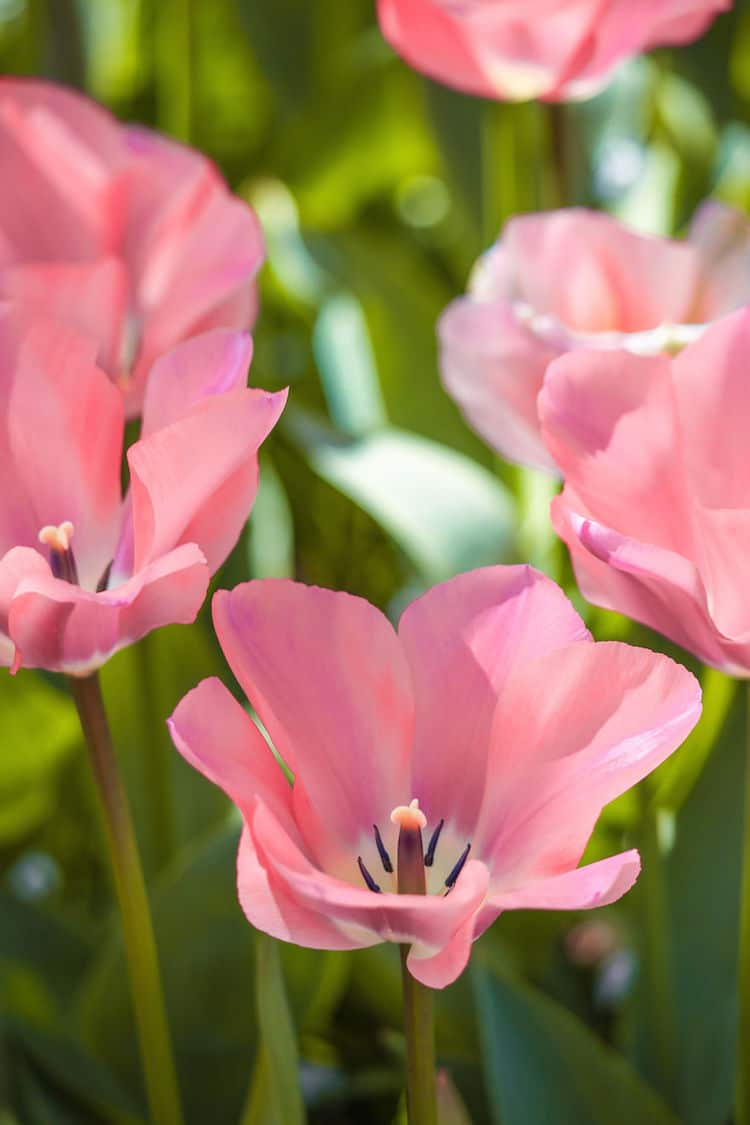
(721, 236)
(616, 280)
(92, 298)
(650, 584)
(211, 364)
(596, 884)
(572, 732)
(713, 404)
(54, 192)
(271, 906)
(196, 480)
(609, 420)
(19, 563)
(62, 628)
(463, 639)
(327, 676)
(60, 440)
(219, 739)
(436, 970)
(493, 366)
(430, 921)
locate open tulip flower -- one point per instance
(83, 572)
(442, 774)
(656, 503)
(571, 280)
(129, 236)
(555, 50)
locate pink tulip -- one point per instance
(656, 504)
(127, 235)
(491, 720)
(550, 49)
(82, 572)
(572, 280)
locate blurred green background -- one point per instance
(377, 190)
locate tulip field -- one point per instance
(374, 539)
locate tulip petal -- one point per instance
(219, 739)
(429, 921)
(609, 421)
(179, 497)
(650, 584)
(63, 628)
(494, 367)
(555, 764)
(584, 888)
(60, 440)
(213, 363)
(92, 298)
(326, 674)
(462, 640)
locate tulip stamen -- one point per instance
(385, 859)
(458, 867)
(371, 884)
(61, 558)
(429, 855)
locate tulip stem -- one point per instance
(657, 954)
(138, 934)
(742, 1089)
(421, 1096)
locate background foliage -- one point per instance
(377, 189)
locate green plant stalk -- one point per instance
(138, 934)
(163, 832)
(419, 1028)
(742, 1087)
(656, 948)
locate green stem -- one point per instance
(742, 1091)
(174, 67)
(657, 954)
(156, 765)
(140, 947)
(419, 1027)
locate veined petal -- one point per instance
(573, 731)
(326, 674)
(463, 639)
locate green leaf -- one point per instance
(279, 1065)
(543, 1065)
(39, 730)
(447, 513)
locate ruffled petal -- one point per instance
(463, 639)
(428, 921)
(572, 732)
(62, 628)
(326, 674)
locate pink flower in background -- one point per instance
(575, 279)
(656, 503)
(491, 721)
(549, 49)
(82, 572)
(131, 237)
